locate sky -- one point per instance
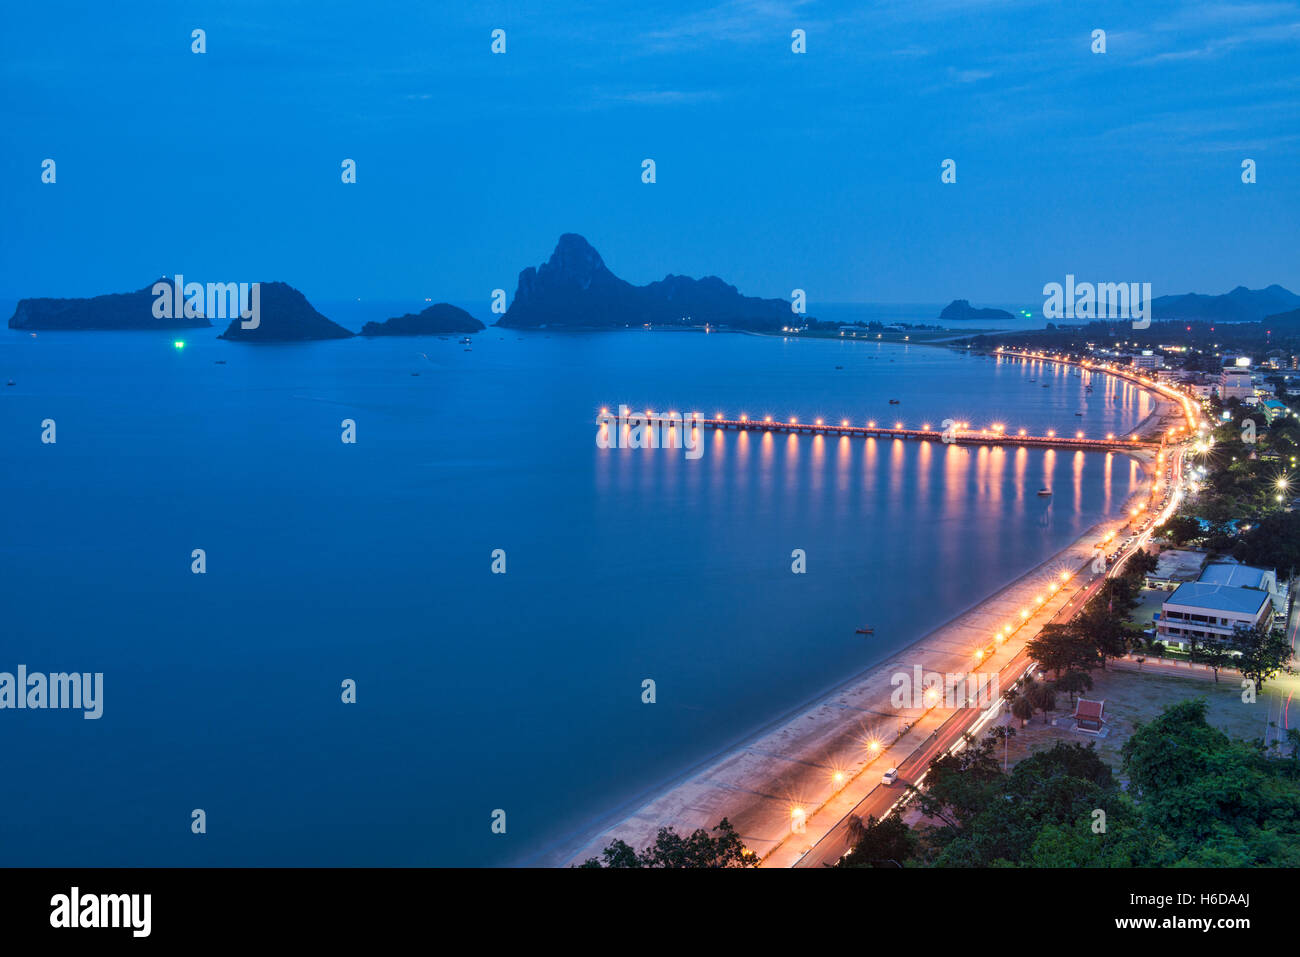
(774, 170)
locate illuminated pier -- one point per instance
(960, 434)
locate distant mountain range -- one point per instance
(114, 311)
(1239, 305)
(575, 289)
(961, 309)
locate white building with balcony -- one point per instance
(1197, 611)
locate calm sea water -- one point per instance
(371, 561)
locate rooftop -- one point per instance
(1241, 601)
(1229, 573)
(1176, 564)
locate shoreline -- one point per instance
(789, 760)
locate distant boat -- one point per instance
(1047, 385)
(220, 362)
(894, 402)
(1044, 492)
(1080, 414)
(11, 382)
(466, 341)
(839, 367)
(1033, 380)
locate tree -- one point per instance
(1042, 695)
(879, 843)
(1074, 683)
(1182, 529)
(1215, 652)
(1273, 542)
(1022, 708)
(1262, 654)
(673, 850)
(1061, 647)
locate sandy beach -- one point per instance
(814, 765)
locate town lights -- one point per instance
(837, 777)
(873, 746)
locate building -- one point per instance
(1146, 360)
(1273, 409)
(1089, 715)
(1235, 383)
(1199, 611)
(1245, 576)
(1175, 566)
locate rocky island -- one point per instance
(575, 289)
(284, 315)
(114, 311)
(960, 310)
(439, 319)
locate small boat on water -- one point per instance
(10, 382)
(1044, 492)
(893, 402)
(1080, 414)
(466, 341)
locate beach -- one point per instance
(814, 765)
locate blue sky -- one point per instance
(775, 170)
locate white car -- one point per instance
(889, 777)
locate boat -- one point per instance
(466, 341)
(893, 402)
(1080, 414)
(1045, 492)
(11, 382)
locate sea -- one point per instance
(495, 587)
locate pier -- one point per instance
(951, 436)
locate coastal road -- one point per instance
(881, 799)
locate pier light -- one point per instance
(871, 423)
(1065, 576)
(1051, 590)
(898, 425)
(1022, 431)
(999, 427)
(767, 418)
(1038, 599)
(793, 420)
(837, 777)
(844, 421)
(1110, 436)
(926, 426)
(873, 746)
(1023, 614)
(999, 638)
(604, 410)
(931, 696)
(979, 654)
(1051, 433)
(819, 421)
(1078, 435)
(672, 414)
(744, 417)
